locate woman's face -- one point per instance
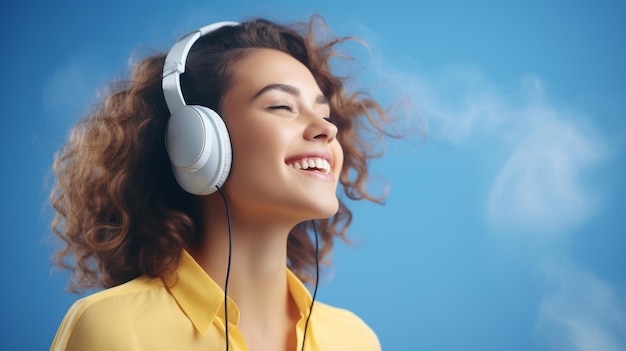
(286, 158)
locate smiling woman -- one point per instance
(198, 252)
(282, 124)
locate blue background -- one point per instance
(505, 225)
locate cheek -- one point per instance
(255, 145)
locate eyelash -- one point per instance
(282, 107)
(332, 120)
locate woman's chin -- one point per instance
(328, 210)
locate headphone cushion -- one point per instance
(199, 149)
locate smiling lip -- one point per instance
(318, 162)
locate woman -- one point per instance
(182, 247)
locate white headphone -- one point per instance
(196, 138)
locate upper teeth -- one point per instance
(314, 162)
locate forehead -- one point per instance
(267, 66)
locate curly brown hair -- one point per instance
(119, 210)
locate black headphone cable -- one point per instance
(317, 279)
(230, 254)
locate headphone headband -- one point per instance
(176, 60)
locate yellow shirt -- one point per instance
(146, 314)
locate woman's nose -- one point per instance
(321, 129)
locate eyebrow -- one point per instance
(289, 89)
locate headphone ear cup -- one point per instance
(199, 149)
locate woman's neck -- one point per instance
(258, 279)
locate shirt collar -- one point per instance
(299, 293)
(202, 299)
(199, 296)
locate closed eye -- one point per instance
(285, 107)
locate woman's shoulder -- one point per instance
(123, 296)
(104, 313)
(340, 326)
